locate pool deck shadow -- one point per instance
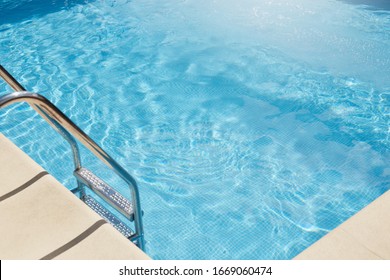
(364, 236)
(25, 10)
(373, 4)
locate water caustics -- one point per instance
(252, 127)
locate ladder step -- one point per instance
(108, 216)
(106, 192)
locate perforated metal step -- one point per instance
(100, 187)
(108, 216)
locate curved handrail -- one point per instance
(16, 86)
(60, 121)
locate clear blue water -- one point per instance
(252, 127)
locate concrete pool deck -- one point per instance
(364, 236)
(41, 219)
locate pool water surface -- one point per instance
(253, 128)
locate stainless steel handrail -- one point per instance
(14, 84)
(60, 122)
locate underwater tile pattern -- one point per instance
(252, 127)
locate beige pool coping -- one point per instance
(364, 236)
(41, 219)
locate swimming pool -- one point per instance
(252, 127)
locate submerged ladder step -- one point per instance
(106, 192)
(108, 216)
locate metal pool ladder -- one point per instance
(131, 210)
